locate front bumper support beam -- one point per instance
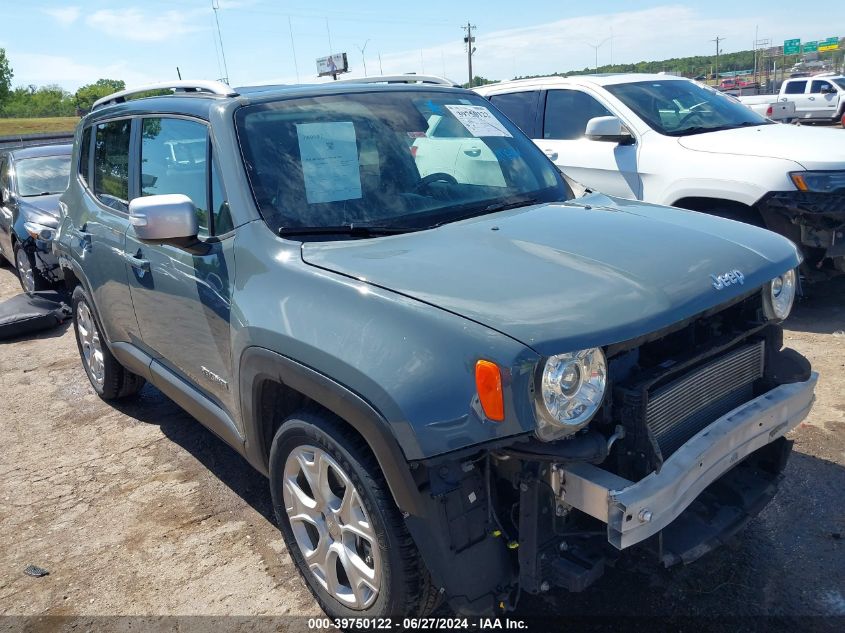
(635, 511)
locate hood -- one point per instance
(41, 209)
(565, 276)
(811, 147)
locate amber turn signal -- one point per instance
(488, 383)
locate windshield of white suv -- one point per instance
(43, 175)
(681, 108)
(839, 81)
(387, 162)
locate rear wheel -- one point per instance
(340, 524)
(108, 377)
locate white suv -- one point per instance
(669, 140)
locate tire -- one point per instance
(399, 584)
(109, 378)
(28, 275)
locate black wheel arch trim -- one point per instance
(258, 364)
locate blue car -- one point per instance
(31, 181)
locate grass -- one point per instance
(12, 127)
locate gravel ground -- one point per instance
(138, 510)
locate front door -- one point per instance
(182, 296)
(610, 168)
(823, 105)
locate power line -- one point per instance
(293, 49)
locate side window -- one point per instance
(221, 217)
(567, 113)
(111, 164)
(817, 85)
(795, 87)
(174, 159)
(520, 107)
(4, 173)
(85, 155)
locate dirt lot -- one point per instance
(137, 510)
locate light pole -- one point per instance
(596, 48)
(363, 59)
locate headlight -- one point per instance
(824, 181)
(778, 296)
(571, 391)
(39, 231)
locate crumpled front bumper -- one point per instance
(635, 511)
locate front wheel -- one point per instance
(28, 275)
(340, 524)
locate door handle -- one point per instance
(137, 262)
(812, 98)
(550, 153)
(474, 152)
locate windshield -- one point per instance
(43, 175)
(839, 81)
(679, 108)
(397, 160)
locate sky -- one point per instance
(71, 43)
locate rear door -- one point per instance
(98, 221)
(795, 91)
(610, 168)
(182, 295)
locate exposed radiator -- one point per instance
(678, 410)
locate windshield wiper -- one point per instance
(513, 204)
(355, 230)
(718, 128)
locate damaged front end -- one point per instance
(687, 445)
(813, 219)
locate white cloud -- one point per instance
(134, 24)
(649, 34)
(63, 15)
(38, 69)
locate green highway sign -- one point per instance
(791, 47)
(830, 44)
(810, 47)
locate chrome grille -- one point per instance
(677, 411)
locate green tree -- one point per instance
(88, 94)
(6, 75)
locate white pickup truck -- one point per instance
(819, 98)
(669, 140)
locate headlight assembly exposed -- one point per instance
(824, 181)
(778, 296)
(572, 388)
(39, 231)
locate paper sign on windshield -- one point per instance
(329, 155)
(478, 120)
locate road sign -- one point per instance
(830, 44)
(810, 47)
(791, 47)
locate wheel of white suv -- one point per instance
(108, 377)
(28, 275)
(340, 524)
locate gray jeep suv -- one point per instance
(460, 382)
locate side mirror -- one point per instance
(171, 217)
(608, 129)
(5, 196)
(828, 89)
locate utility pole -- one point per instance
(717, 40)
(469, 40)
(293, 50)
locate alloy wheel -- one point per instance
(331, 527)
(89, 341)
(25, 272)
